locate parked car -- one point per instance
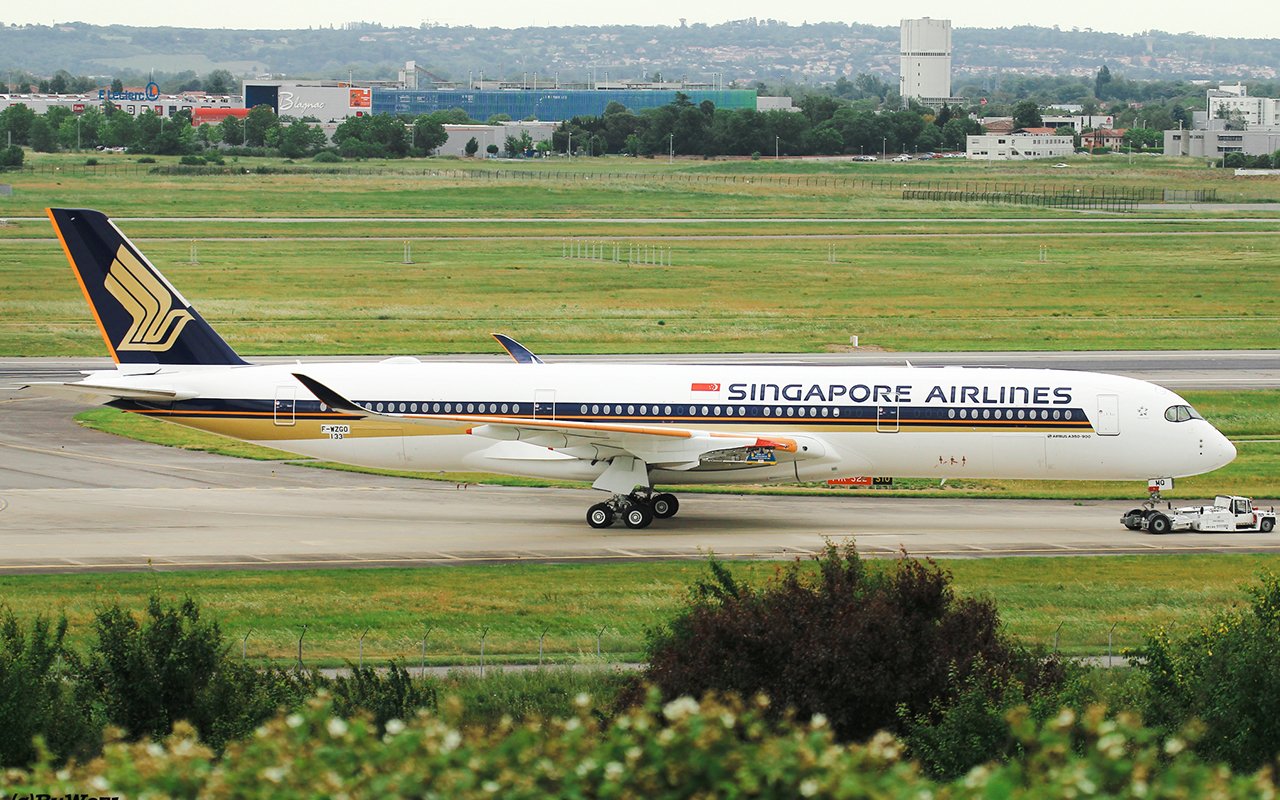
(865, 158)
(901, 157)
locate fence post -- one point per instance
(425, 635)
(599, 635)
(1109, 636)
(244, 645)
(366, 633)
(300, 638)
(483, 635)
(541, 640)
(1055, 635)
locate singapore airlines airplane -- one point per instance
(628, 427)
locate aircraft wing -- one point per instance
(667, 446)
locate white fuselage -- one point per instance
(860, 421)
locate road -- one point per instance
(76, 500)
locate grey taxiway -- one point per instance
(75, 500)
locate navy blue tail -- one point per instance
(143, 319)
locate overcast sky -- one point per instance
(1245, 18)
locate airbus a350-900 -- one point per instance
(625, 428)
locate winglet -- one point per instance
(329, 397)
(517, 351)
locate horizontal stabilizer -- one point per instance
(100, 392)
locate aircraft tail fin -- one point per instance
(143, 319)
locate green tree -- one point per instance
(1026, 114)
(1102, 83)
(428, 135)
(257, 122)
(300, 139)
(117, 85)
(472, 147)
(43, 137)
(492, 149)
(231, 131)
(219, 81)
(11, 156)
(15, 124)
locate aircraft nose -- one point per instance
(1220, 449)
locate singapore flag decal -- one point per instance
(705, 387)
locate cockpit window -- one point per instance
(1181, 413)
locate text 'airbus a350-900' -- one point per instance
(623, 427)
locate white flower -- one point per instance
(613, 771)
(100, 783)
(818, 721)
(337, 727)
(582, 700)
(808, 787)
(490, 786)
(680, 708)
(451, 741)
(274, 774)
(293, 720)
(155, 750)
(395, 726)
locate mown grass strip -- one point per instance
(573, 604)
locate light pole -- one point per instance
(884, 148)
(776, 139)
(569, 150)
(671, 153)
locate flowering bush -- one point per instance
(683, 748)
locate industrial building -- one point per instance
(924, 73)
(1231, 122)
(333, 101)
(134, 101)
(1018, 146)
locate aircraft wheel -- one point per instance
(1267, 525)
(664, 505)
(637, 516)
(1159, 524)
(600, 515)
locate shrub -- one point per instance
(685, 748)
(1226, 675)
(327, 157)
(192, 161)
(146, 160)
(391, 696)
(866, 648)
(41, 694)
(91, 162)
(11, 156)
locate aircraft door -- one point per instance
(887, 418)
(544, 403)
(1108, 422)
(285, 405)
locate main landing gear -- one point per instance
(636, 510)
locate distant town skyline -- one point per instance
(1248, 19)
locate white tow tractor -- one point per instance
(1228, 513)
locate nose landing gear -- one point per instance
(636, 510)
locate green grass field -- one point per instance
(907, 275)
(572, 604)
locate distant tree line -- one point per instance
(825, 125)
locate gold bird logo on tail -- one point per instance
(156, 323)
